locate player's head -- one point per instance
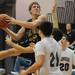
(57, 34)
(65, 41)
(45, 28)
(66, 37)
(34, 8)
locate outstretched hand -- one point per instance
(8, 41)
(6, 18)
(23, 72)
(12, 20)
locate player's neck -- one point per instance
(42, 37)
(64, 47)
(34, 17)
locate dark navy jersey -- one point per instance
(28, 37)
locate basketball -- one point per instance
(3, 23)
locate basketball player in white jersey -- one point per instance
(45, 52)
(67, 58)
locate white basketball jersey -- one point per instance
(48, 47)
(66, 61)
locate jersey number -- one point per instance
(64, 67)
(54, 58)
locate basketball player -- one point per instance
(45, 52)
(67, 58)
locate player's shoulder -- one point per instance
(70, 50)
(40, 43)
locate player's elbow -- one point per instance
(39, 65)
(41, 60)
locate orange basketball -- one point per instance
(3, 23)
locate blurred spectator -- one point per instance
(71, 35)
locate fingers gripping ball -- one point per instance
(3, 22)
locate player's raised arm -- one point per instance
(5, 20)
(22, 23)
(9, 20)
(28, 24)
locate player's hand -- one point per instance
(23, 72)
(32, 45)
(3, 22)
(8, 41)
(11, 20)
(5, 17)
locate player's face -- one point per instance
(63, 40)
(35, 10)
